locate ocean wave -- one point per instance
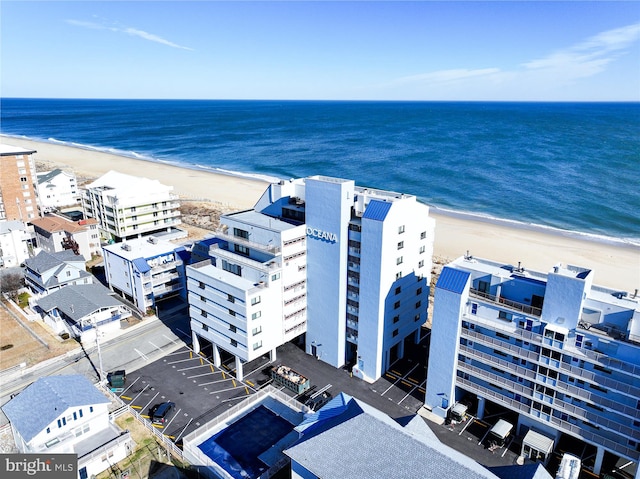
(545, 229)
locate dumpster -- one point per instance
(287, 377)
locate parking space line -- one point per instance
(175, 353)
(147, 405)
(172, 340)
(127, 388)
(143, 389)
(184, 429)
(406, 395)
(232, 399)
(200, 375)
(125, 397)
(224, 390)
(250, 383)
(212, 370)
(174, 416)
(234, 382)
(141, 355)
(180, 361)
(213, 382)
(190, 367)
(157, 347)
(136, 407)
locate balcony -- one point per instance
(494, 379)
(492, 360)
(223, 234)
(523, 308)
(493, 342)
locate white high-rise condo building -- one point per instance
(249, 296)
(368, 268)
(557, 350)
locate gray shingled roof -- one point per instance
(11, 225)
(43, 178)
(78, 301)
(45, 261)
(332, 447)
(46, 399)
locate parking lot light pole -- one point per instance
(101, 371)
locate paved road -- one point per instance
(132, 349)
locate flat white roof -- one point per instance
(140, 248)
(14, 150)
(254, 218)
(538, 441)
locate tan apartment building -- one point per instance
(18, 200)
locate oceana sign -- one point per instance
(323, 235)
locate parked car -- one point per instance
(159, 412)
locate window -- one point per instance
(399, 260)
(395, 333)
(400, 229)
(421, 264)
(23, 179)
(232, 328)
(234, 343)
(416, 317)
(418, 291)
(474, 308)
(133, 209)
(232, 312)
(240, 249)
(396, 319)
(203, 313)
(423, 235)
(398, 275)
(255, 300)
(230, 298)
(203, 299)
(205, 327)
(256, 330)
(504, 315)
(231, 268)
(256, 315)
(398, 289)
(48, 430)
(275, 277)
(418, 304)
(396, 305)
(240, 233)
(90, 408)
(257, 345)
(401, 245)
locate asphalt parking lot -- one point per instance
(199, 390)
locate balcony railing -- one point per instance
(524, 308)
(494, 379)
(222, 234)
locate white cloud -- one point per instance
(129, 31)
(557, 70)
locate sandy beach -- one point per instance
(614, 266)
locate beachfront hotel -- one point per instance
(248, 296)
(130, 207)
(558, 352)
(18, 200)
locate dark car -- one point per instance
(159, 412)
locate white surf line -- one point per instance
(185, 428)
(157, 347)
(129, 386)
(141, 354)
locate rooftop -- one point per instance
(78, 301)
(255, 218)
(9, 150)
(54, 223)
(148, 247)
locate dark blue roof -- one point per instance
(183, 254)
(377, 210)
(141, 265)
(452, 280)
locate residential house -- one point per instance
(48, 272)
(55, 233)
(57, 188)
(15, 242)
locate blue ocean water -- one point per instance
(568, 166)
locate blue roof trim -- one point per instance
(453, 280)
(141, 265)
(377, 210)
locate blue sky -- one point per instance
(363, 50)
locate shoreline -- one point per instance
(615, 261)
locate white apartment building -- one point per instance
(145, 270)
(249, 296)
(368, 269)
(54, 233)
(57, 188)
(128, 207)
(557, 350)
(14, 243)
